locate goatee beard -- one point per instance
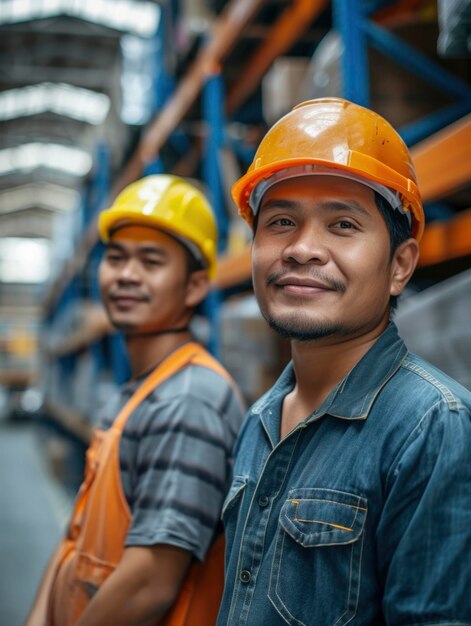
(296, 332)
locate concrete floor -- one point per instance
(34, 510)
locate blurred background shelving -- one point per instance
(95, 94)
(91, 99)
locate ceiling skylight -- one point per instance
(54, 197)
(73, 102)
(140, 18)
(31, 156)
(24, 260)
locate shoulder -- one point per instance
(195, 397)
(199, 392)
(420, 405)
(427, 385)
(427, 413)
(198, 383)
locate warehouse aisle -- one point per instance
(33, 512)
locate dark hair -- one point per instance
(399, 231)
(192, 263)
(397, 223)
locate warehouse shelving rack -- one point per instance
(441, 142)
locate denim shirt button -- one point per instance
(263, 501)
(245, 576)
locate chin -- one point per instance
(123, 325)
(302, 329)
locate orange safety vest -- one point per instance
(94, 544)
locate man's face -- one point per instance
(321, 259)
(144, 281)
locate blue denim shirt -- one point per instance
(362, 514)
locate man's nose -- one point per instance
(129, 271)
(307, 245)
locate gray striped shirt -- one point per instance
(175, 458)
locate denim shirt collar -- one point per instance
(353, 397)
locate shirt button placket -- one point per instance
(263, 501)
(245, 576)
(252, 541)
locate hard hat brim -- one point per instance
(355, 163)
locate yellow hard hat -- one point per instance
(333, 134)
(171, 204)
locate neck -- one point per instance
(146, 351)
(320, 365)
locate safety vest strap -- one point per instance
(188, 353)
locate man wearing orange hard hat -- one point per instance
(144, 543)
(351, 493)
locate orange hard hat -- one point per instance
(345, 138)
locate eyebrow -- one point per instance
(145, 249)
(330, 205)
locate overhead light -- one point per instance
(74, 102)
(31, 156)
(137, 87)
(24, 260)
(141, 18)
(48, 195)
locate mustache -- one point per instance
(334, 284)
(116, 294)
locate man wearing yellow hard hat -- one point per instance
(143, 545)
(351, 495)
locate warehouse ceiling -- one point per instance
(61, 67)
(74, 80)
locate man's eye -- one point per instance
(113, 257)
(345, 225)
(282, 221)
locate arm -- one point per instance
(141, 590)
(179, 478)
(179, 470)
(424, 535)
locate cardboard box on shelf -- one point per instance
(396, 92)
(283, 86)
(251, 351)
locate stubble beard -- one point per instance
(299, 330)
(123, 326)
(299, 327)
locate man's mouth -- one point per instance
(126, 300)
(304, 284)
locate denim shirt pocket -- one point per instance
(315, 574)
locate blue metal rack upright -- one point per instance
(213, 107)
(352, 20)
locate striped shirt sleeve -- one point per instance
(177, 467)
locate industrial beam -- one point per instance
(293, 22)
(227, 29)
(443, 161)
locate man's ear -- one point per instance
(403, 265)
(197, 287)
